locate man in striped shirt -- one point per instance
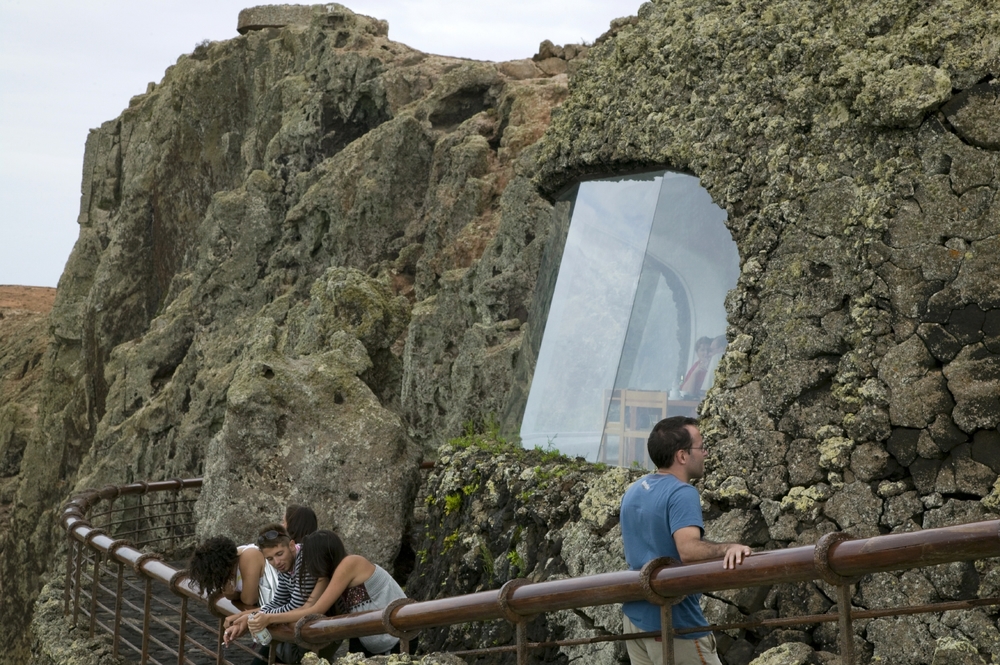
(294, 587)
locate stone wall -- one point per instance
(492, 512)
(851, 145)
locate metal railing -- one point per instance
(112, 573)
(835, 559)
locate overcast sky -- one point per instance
(67, 66)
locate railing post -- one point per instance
(76, 585)
(70, 546)
(404, 637)
(182, 630)
(109, 521)
(218, 643)
(95, 578)
(520, 622)
(821, 559)
(93, 592)
(143, 519)
(666, 604)
(147, 602)
(522, 642)
(272, 653)
(846, 625)
(667, 633)
(175, 580)
(146, 609)
(172, 523)
(118, 606)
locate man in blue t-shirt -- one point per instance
(661, 516)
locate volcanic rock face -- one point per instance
(493, 512)
(313, 211)
(24, 337)
(854, 149)
(280, 283)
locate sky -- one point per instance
(67, 66)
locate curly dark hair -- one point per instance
(213, 564)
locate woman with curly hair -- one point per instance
(240, 573)
(346, 583)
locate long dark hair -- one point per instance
(300, 521)
(322, 552)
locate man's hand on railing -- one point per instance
(693, 548)
(236, 628)
(734, 555)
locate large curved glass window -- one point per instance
(637, 321)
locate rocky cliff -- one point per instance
(304, 257)
(310, 246)
(24, 337)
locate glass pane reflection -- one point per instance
(637, 319)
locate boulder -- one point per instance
(301, 426)
(917, 391)
(951, 651)
(790, 653)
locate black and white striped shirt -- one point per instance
(293, 589)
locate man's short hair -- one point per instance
(668, 436)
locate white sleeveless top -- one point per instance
(268, 579)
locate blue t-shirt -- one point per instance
(653, 508)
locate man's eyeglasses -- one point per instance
(267, 536)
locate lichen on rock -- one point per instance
(364, 220)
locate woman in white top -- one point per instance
(239, 573)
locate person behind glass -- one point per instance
(661, 516)
(294, 588)
(693, 381)
(300, 521)
(240, 574)
(347, 583)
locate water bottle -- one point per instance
(263, 636)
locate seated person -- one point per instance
(240, 573)
(346, 583)
(691, 386)
(293, 590)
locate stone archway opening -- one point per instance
(636, 317)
